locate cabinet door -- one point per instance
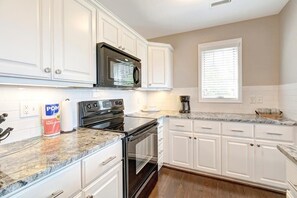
(238, 158)
(74, 41)
(24, 38)
(109, 30)
(108, 185)
(181, 149)
(207, 153)
(129, 42)
(142, 54)
(157, 67)
(270, 164)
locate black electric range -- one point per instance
(140, 144)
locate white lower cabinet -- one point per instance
(108, 185)
(270, 164)
(63, 184)
(207, 153)
(181, 149)
(160, 143)
(238, 158)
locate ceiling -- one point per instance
(155, 18)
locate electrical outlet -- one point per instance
(253, 100)
(29, 109)
(259, 100)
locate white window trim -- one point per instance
(215, 45)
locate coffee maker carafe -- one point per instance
(185, 101)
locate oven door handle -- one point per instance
(140, 133)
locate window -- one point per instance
(220, 77)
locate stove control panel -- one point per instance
(99, 107)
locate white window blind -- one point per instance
(219, 72)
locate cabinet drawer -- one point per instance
(180, 125)
(238, 129)
(207, 127)
(100, 162)
(109, 185)
(67, 183)
(279, 133)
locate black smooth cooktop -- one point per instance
(127, 125)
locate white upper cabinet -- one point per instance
(48, 40)
(24, 36)
(160, 65)
(74, 41)
(108, 30)
(112, 32)
(142, 55)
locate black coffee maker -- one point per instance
(185, 100)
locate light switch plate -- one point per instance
(29, 109)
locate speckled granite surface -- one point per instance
(228, 117)
(289, 151)
(26, 161)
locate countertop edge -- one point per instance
(282, 149)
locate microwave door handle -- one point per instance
(136, 70)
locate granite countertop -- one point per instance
(228, 117)
(289, 151)
(26, 161)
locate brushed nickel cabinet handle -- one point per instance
(108, 160)
(177, 125)
(58, 71)
(239, 131)
(57, 194)
(278, 134)
(206, 128)
(47, 70)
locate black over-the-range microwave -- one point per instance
(116, 68)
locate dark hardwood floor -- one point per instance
(175, 184)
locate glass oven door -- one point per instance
(142, 157)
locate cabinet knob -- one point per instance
(123, 48)
(58, 71)
(258, 145)
(252, 144)
(195, 138)
(190, 137)
(120, 47)
(47, 70)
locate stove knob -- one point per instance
(95, 105)
(89, 106)
(119, 103)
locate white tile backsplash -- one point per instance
(12, 96)
(169, 100)
(288, 100)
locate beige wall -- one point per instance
(288, 46)
(261, 55)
